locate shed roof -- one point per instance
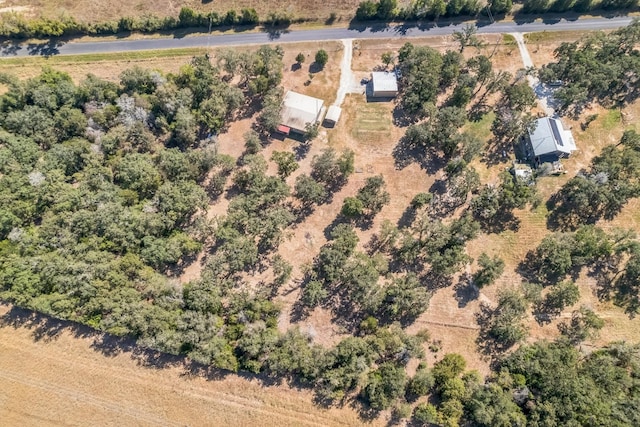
(550, 137)
(384, 81)
(333, 113)
(298, 110)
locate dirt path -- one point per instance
(348, 83)
(65, 380)
(541, 91)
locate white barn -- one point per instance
(384, 84)
(299, 111)
(333, 115)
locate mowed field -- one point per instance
(63, 375)
(95, 11)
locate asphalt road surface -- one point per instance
(58, 47)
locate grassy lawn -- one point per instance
(372, 122)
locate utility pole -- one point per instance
(209, 33)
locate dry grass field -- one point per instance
(56, 374)
(48, 379)
(95, 11)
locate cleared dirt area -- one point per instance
(63, 375)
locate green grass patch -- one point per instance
(482, 128)
(372, 120)
(509, 40)
(611, 119)
(99, 57)
(553, 36)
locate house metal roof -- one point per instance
(333, 114)
(550, 137)
(384, 81)
(298, 110)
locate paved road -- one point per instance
(381, 31)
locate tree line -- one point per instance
(17, 26)
(389, 10)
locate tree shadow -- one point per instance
(498, 223)
(400, 117)
(10, 48)
(46, 49)
(567, 217)
(365, 413)
(340, 219)
(497, 152)
(543, 313)
(605, 272)
(275, 33)
(46, 328)
(406, 153)
(436, 281)
(314, 67)
(301, 150)
(407, 218)
(465, 290)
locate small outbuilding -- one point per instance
(384, 84)
(332, 116)
(549, 141)
(298, 112)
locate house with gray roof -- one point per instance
(549, 141)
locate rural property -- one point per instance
(350, 213)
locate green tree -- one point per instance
(451, 366)
(467, 36)
(138, 172)
(300, 58)
(427, 414)
(405, 298)
(561, 295)
(184, 128)
(490, 269)
(584, 324)
(313, 294)
(331, 170)
(421, 383)
(367, 10)
(384, 385)
(500, 7)
(387, 59)
(321, 58)
(502, 327)
(372, 195)
(252, 143)
(286, 162)
(387, 9)
(309, 191)
(420, 69)
(352, 207)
